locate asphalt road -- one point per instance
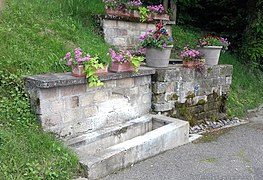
(230, 154)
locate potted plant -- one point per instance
(116, 8)
(158, 12)
(211, 47)
(124, 61)
(77, 61)
(191, 57)
(158, 45)
(85, 66)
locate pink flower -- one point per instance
(69, 62)
(67, 56)
(204, 43)
(164, 45)
(129, 54)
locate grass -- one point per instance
(246, 88)
(35, 35)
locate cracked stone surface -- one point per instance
(235, 154)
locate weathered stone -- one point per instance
(90, 111)
(158, 98)
(159, 87)
(48, 94)
(71, 102)
(73, 90)
(161, 107)
(143, 80)
(101, 96)
(127, 83)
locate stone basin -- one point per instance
(110, 149)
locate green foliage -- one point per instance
(136, 62)
(245, 90)
(252, 49)
(143, 13)
(90, 70)
(34, 36)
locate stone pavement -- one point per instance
(230, 154)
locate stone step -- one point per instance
(161, 134)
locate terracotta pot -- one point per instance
(102, 71)
(157, 16)
(124, 67)
(191, 64)
(77, 70)
(135, 14)
(116, 12)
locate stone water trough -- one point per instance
(109, 127)
(108, 150)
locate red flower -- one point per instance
(159, 25)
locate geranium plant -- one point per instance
(125, 57)
(210, 40)
(77, 57)
(157, 39)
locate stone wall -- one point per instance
(66, 106)
(191, 95)
(125, 34)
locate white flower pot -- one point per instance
(156, 57)
(211, 53)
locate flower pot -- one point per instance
(77, 70)
(117, 12)
(157, 16)
(191, 64)
(103, 71)
(156, 57)
(118, 67)
(211, 53)
(135, 14)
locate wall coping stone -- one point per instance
(117, 18)
(66, 79)
(175, 66)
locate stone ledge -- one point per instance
(132, 19)
(66, 79)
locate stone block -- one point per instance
(82, 126)
(109, 23)
(121, 32)
(146, 98)
(170, 87)
(110, 84)
(49, 121)
(72, 90)
(86, 99)
(110, 32)
(73, 115)
(158, 98)
(51, 107)
(71, 102)
(158, 87)
(49, 94)
(119, 41)
(142, 80)
(171, 97)
(101, 96)
(90, 111)
(228, 80)
(127, 83)
(145, 89)
(161, 107)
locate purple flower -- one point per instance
(164, 45)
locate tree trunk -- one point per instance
(165, 4)
(173, 7)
